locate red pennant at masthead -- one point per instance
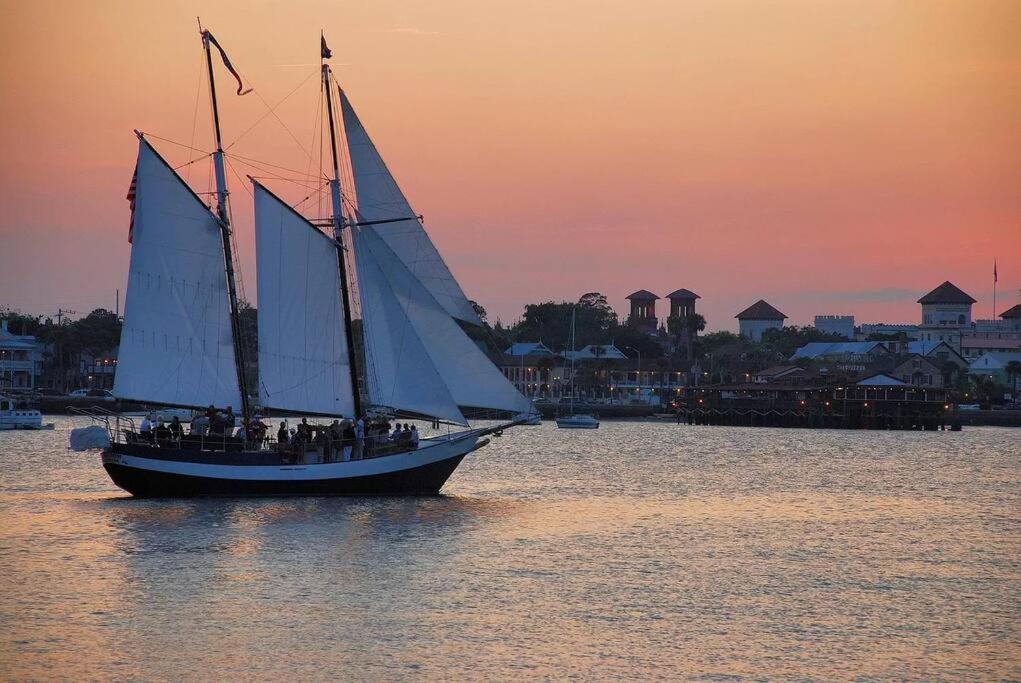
(226, 63)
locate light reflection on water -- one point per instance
(638, 551)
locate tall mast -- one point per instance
(224, 216)
(338, 236)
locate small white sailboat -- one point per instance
(414, 360)
(575, 420)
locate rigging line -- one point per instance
(317, 194)
(263, 117)
(316, 126)
(195, 115)
(274, 114)
(251, 161)
(305, 182)
(174, 142)
(188, 164)
(281, 121)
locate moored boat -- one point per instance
(14, 417)
(573, 420)
(577, 421)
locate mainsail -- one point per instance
(424, 341)
(176, 343)
(303, 355)
(380, 199)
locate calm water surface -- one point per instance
(635, 551)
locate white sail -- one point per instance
(176, 343)
(379, 198)
(399, 373)
(303, 353)
(467, 373)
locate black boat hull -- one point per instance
(142, 473)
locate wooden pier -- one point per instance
(830, 407)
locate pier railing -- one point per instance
(856, 407)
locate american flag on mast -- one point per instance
(131, 200)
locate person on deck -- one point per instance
(176, 430)
(348, 440)
(283, 438)
(359, 451)
(199, 425)
(257, 430)
(162, 433)
(405, 438)
(145, 429)
(414, 436)
(229, 420)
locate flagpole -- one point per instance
(338, 230)
(995, 278)
(224, 216)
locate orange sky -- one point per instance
(831, 157)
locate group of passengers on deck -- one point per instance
(340, 441)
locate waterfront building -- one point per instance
(994, 366)
(596, 352)
(920, 371)
(848, 351)
(939, 352)
(881, 379)
(643, 310)
(975, 344)
(534, 375)
(682, 302)
(946, 312)
(21, 359)
(758, 318)
(1012, 317)
(842, 325)
(528, 349)
(781, 374)
(97, 371)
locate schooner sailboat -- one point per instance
(181, 340)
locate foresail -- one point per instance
(303, 354)
(379, 198)
(399, 373)
(176, 345)
(469, 376)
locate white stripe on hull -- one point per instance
(431, 451)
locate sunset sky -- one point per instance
(830, 157)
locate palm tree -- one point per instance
(1013, 372)
(683, 330)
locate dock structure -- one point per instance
(832, 407)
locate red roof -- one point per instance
(683, 294)
(1013, 312)
(947, 293)
(642, 295)
(760, 310)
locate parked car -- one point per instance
(94, 394)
